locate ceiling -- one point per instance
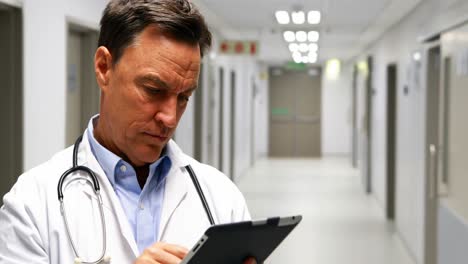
(346, 29)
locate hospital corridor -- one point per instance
(129, 125)
(340, 225)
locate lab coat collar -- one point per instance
(176, 185)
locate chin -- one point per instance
(149, 154)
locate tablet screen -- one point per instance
(233, 243)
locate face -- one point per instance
(144, 95)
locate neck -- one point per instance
(142, 171)
(142, 174)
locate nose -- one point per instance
(167, 112)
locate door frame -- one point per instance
(89, 89)
(369, 105)
(355, 129)
(431, 144)
(232, 145)
(221, 119)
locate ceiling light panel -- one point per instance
(313, 47)
(313, 36)
(301, 36)
(303, 47)
(297, 57)
(298, 17)
(293, 47)
(313, 17)
(289, 36)
(282, 17)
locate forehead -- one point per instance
(159, 56)
(154, 46)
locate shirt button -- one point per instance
(142, 207)
(123, 168)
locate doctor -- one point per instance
(147, 66)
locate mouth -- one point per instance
(162, 138)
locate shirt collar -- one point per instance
(109, 160)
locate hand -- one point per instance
(162, 253)
(250, 261)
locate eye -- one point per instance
(184, 98)
(152, 90)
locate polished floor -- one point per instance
(341, 224)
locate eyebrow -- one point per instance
(153, 79)
(156, 80)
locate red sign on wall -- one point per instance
(239, 47)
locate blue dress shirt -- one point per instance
(142, 207)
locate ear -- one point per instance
(102, 67)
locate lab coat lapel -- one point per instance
(109, 197)
(175, 188)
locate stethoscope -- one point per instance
(93, 180)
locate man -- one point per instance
(147, 66)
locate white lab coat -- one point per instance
(32, 229)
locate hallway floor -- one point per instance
(341, 224)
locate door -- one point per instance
(433, 72)
(295, 110)
(355, 131)
(391, 138)
(368, 132)
(83, 94)
(11, 101)
(364, 96)
(221, 120)
(452, 152)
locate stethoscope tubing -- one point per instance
(95, 182)
(200, 193)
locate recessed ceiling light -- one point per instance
(312, 57)
(298, 17)
(313, 36)
(297, 57)
(282, 17)
(289, 36)
(301, 36)
(313, 47)
(313, 60)
(313, 17)
(293, 47)
(303, 47)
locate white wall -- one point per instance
(251, 114)
(261, 115)
(44, 60)
(337, 112)
(397, 46)
(246, 72)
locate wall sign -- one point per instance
(238, 47)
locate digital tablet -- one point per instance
(233, 243)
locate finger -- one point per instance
(175, 250)
(145, 259)
(160, 255)
(250, 261)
